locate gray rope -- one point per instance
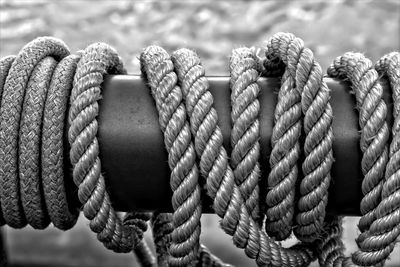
(387, 225)
(138, 221)
(374, 137)
(34, 91)
(307, 82)
(162, 229)
(10, 114)
(97, 60)
(285, 153)
(158, 69)
(5, 65)
(228, 202)
(246, 127)
(53, 160)
(31, 189)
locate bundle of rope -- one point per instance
(45, 90)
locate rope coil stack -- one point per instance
(45, 90)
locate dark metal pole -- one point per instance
(134, 159)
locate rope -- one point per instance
(302, 100)
(10, 116)
(53, 155)
(44, 83)
(387, 225)
(246, 127)
(379, 225)
(97, 59)
(31, 191)
(228, 202)
(5, 65)
(158, 69)
(138, 222)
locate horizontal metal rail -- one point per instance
(134, 159)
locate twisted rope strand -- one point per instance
(374, 132)
(228, 202)
(10, 114)
(317, 121)
(162, 229)
(285, 153)
(246, 127)
(374, 137)
(97, 60)
(388, 211)
(158, 69)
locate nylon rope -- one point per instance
(45, 92)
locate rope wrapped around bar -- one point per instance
(45, 89)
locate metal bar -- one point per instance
(134, 159)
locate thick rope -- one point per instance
(53, 151)
(97, 60)
(387, 225)
(162, 229)
(228, 202)
(10, 115)
(309, 94)
(158, 70)
(246, 127)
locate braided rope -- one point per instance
(97, 60)
(207, 259)
(246, 127)
(5, 65)
(387, 225)
(308, 82)
(62, 214)
(228, 202)
(158, 69)
(10, 114)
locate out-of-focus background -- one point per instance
(213, 29)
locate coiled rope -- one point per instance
(45, 91)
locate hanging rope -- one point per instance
(379, 225)
(228, 202)
(246, 127)
(158, 69)
(44, 86)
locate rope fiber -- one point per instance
(46, 92)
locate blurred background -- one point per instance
(213, 29)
